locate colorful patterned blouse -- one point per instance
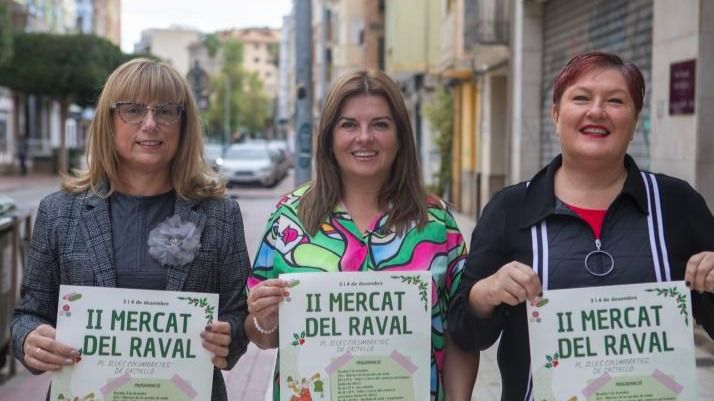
(340, 246)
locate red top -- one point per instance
(594, 217)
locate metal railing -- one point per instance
(486, 22)
(15, 232)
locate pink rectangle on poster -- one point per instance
(403, 361)
(115, 384)
(596, 385)
(338, 363)
(667, 381)
(185, 388)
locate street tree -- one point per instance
(69, 68)
(440, 114)
(5, 33)
(238, 100)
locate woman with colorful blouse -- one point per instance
(366, 210)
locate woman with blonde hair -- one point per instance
(108, 226)
(367, 196)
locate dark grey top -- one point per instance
(133, 217)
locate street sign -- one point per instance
(682, 81)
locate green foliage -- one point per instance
(6, 34)
(440, 113)
(247, 103)
(212, 43)
(232, 55)
(68, 67)
(274, 52)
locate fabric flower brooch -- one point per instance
(174, 243)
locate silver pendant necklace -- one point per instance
(599, 263)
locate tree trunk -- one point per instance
(62, 156)
(16, 118)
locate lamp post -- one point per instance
(303, 103)
(227, 111)
(198, 78)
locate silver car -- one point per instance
(213, 154)
(252, 162)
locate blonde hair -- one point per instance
(403, 195)
(151, 81)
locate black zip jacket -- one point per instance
(652, 210)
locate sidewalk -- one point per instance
(488, 381)
(13, 182)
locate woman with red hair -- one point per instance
(592, 199)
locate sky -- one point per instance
(204, 15)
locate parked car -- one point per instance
(253, 162)
(282, 147)
(214, 155)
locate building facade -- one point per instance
(171, 45)
(411, 55)
(261, 52)
(284, 119)
(660, 37)
(31, 124)
(261, 47)
(498, 59)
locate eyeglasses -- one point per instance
(134, 113)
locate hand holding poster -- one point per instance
(615, 343)
(357, 336)
(134, 344)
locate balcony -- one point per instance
(486, 22)
(486, 30)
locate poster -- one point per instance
(135, 345)
(359, 336)
(617, 343)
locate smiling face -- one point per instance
(145, 147)
(595, 118)
(365, 139)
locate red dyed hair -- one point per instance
(587, 61)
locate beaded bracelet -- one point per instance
(260, 329)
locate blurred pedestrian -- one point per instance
(367, 196)
(22, 146)
(107, 227)
(587, 219)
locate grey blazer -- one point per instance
(72, 244)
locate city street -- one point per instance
(482, 93)
(249, 379)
